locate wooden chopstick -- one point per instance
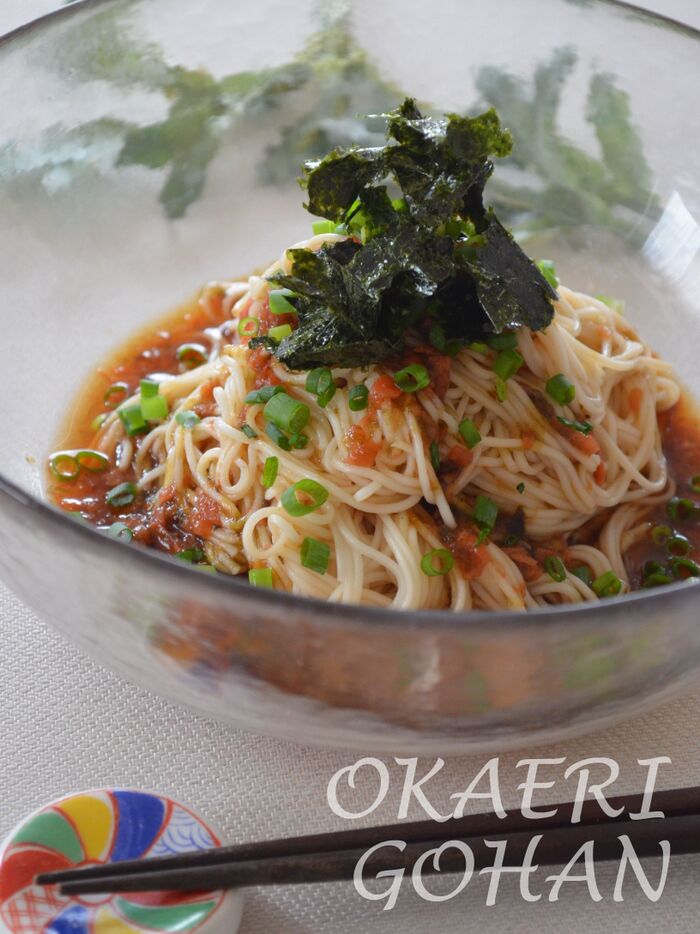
(556, 846)
(674, 803)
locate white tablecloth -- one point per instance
(66, 724)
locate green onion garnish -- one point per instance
(453, 347)
(678, 546)
(470, 433)
(154, 408)
(286, 413)
(555, 568)
(507, 364)
(279, 437)
(148, 388)
(561, 389)
(657, 579)
(280, 332)
(480, 347)
(510, 541)
(116, 393)
(132, 419)
(583, 573)
(435, 455)
(315, 555)
(122, 495)
(520, 487)
(120, 531)
(192, 355)
(313, 377)
(269, 474)
(260, 577)
(485, 513)
(279, 304)
(298, 440)
(437, 562)
(310, 489)
(546, 267)
(248, 431)
(506, 341)
(652, 567)
(660, 534)
(260, 396)
(320, 382)
(695, 483)
(248, 327)
(188, 418)
(323, 227)
(94, 461)
(681, 509)
(607, 585)
(684, 568)
(98, 421)
(192, 555)
(64, 466)
(412, 378)
(617, 304)
(501, 390)
(358, 398)
(585, 428)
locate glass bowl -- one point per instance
(151, 145)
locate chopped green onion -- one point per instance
(313, 377)
(510, 541)
(501, 389)
(280, 332)
(585, 428)
(358, 398)
(399, 205)
(657, 579)
(436, 337)
(260, 396)
(154, 408)
(320, 382)
(112, 395)
(520, 487)
(561, 389)
(298, 440)
(279, 304)
(412, 378)
(652, 567)
(485, 513)
(248, 431)
(192, 555)
(260, 577)
(94, 461)
(120, 531)
(684, 568)
(132, 419)
(437, 562)
(208, 568)
(453, 347)
(506, 341)
(483, 536)
(325, 397)
(479, 347)
(607, 585)
(681, 509)
(323, 227)
(678, 546)
(148, 388)
(308, 488)
(617, 304)
(695, 483)
(64, 466)
(98, 421)
(269, 474)
(660, 534)
(248, 327)
(555, 568)
(192, 355)
(583, 573)
(546, 267)
(507, 364)
(435, 455)
(286, 413)
(122, 495)
(470, 433)
(315, 555)
(279, 437)
(188, 418)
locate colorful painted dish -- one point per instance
(107, 826)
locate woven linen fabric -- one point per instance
(66, 724)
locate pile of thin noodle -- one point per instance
(376, 535)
